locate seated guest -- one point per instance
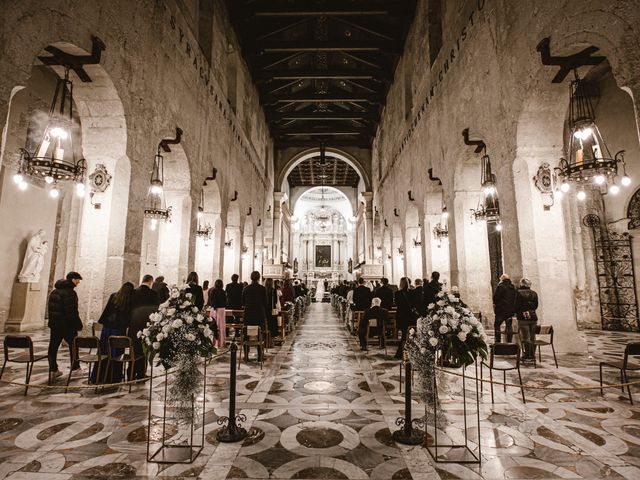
(375, 312)
(361, 296)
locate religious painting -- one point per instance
(323, 256)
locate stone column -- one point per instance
(277, 227)
(368, 227)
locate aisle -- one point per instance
(325, 415)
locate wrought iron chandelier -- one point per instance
(53, 159)
(441, 229)
(204, 228)
(156, 207)
(589, 161)
(488, 210)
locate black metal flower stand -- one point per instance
(172, 451)
(233, 431)
(408, 434)
(466, 455)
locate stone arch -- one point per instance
(170, 239)
(306, 154)
(86, 234)
(413, 242)
(207, 258)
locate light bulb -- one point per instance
(23, 185)
(199, 215)
(154, 223)
(599, 179)
(565, 187)
(59, 132)
(445, 215)
(18, 178)
(614, 189)
(80, 189)
(581, 195)
(48, 179)
(156, 189)
(54, 192)
(583, 133)
(625, 181)
(499, 227)
(489, 190)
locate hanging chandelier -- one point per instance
(204, 228)
(156, 208)
(488, 210)
(589, 162)
(53, 159)
(441, 229)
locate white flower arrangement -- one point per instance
(177, 329)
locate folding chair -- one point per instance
(252, 337)
(545, 330)
(128, 355)
(502, 350)
(377, 331)
(88, 343)
(21, 342)
(631, 350)
(358, 315)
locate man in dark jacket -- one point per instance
(377, 313)
(64, 319)
(385, 294)
(361, 296)
(160, 287)
(432, 289)
(144, 295)
(526, 306)
(504, 299)
(417, 297)
(234, 293)
(256, 305)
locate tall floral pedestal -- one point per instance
(461, 452)
(175, 438)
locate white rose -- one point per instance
(156, 345)
(449, 310)
(165, 304)
(194, 309)
(177, 323)
(171, 312)
(441, 303)
(423, 350)
(139, 334)
(443, 329)
(145, 331)
(206, 331)
(435, 317)
(431, 305)
(440, 294)
(453, 322)
(465, 328)
(185, 304)
(189, 295)
(455, 300)
(189, 320)
(412, 331)
(190, 336)
(166, 328)
(200, 317)
(160, 337)
(450, 297)
(430, 333)
(456, 315)
(175, 293)
(462, 336)
(433, 341)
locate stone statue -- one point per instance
(33, 262)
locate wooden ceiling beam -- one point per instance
(302, 97)
(315, 131)
(331, 74)
(344, 45)
(315, 116)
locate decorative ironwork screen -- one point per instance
(616, 277)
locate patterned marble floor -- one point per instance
(320, 408)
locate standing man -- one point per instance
(417, 297)
(144, 295)
(432, 289)
(361, 296)
(256, 304)
(161, 288)
(145, 301)
(504, 300)
(526, 306)
(234, 293)
(64, 319)
(385, 294)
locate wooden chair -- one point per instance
(502, 350)
(358, 315)
(252, 337)
(87, 343)
(282, 330)
(128, 355)
(391, 325)
(631, 350)
(376, 332)
(21, 342)
(545, 330)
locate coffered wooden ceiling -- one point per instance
(332, 172)
(322, 67)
